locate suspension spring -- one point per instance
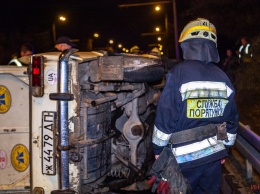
(119, 173)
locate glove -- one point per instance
(177, 182)
(161, 186)
(166, 169)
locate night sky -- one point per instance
(31, 21)
(84, 17)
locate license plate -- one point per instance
(48, 142)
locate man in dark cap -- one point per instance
(26, 50)
(63, 43)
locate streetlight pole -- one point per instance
(61, 18)
(54, 31)
(166, 24)
(177, 50)
(166, 34)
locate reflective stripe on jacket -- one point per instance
(244, 53)
(195, 94)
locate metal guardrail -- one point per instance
(248, 144)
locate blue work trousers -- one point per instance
(205, 179)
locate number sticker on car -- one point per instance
(48, 142)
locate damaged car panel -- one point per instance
(91, 117)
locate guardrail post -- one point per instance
(249, 170)
(248, 144)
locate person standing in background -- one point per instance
(63, 43)
(230, 65)
(25, 50)
(245, 54)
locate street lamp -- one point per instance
(166, 18)
(157, 9)
(61, 18)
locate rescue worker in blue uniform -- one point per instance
(197, 102)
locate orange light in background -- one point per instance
(62, 18)
(157, 8)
